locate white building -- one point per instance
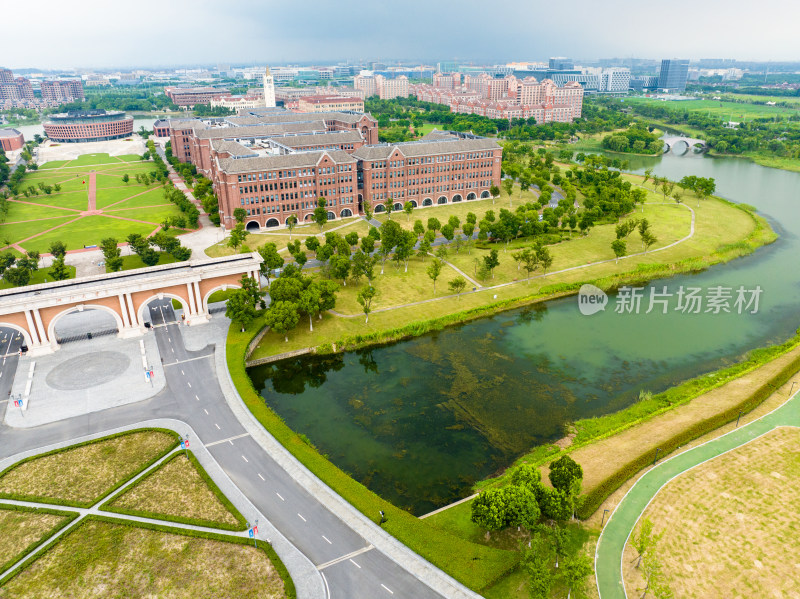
(269, 90)
(615, 80)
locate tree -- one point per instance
(320, 213)
(647, 173)
(405, 247)
(419, 228)
(545, 259)
(291, 223)
(125, 178)
(237, 236)
(239, 214)
(282, 317)
(491, 261)
(253, 289)
(408, 208)
(388, 204)
(530, 261)
(508, 186)
(364, 265)
(522, 509)
(489, 510)
(434, 224)
(447, 232)
(434, 270)
(620, 248)
(425, 245)
(457, 285)
(645, 539)
(351, 239)
(17, 276)
(648, 239)
(272, 259)
(365, 298)
(468, 229)
(58, 270)
(368, 244)
(566, 475)
(494, 191)
(309, 302)
(556, 505)
(58, 249)
(115, 264)
(340, 267)
(576, 569)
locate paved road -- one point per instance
(10, 341)
(611, 545)
(193, 395)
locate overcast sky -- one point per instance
(95, 33)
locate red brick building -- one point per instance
(62, 91)
(88, 125)
(189, 96)
(444, 170)
(272, 188)
(326, 103)
(11, 139)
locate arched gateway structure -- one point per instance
(34, 310)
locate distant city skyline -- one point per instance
(83, 34)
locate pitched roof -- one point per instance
(330, 137)
(260, 130)
(425, 148)
(256, 117)
(234, 148)
(297, 160)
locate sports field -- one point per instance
(93, 202)
(729, 111)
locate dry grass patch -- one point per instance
(176, 490)
(99, 559)
(603, 458)
(20, 530)
(84, 474)
(731, 525)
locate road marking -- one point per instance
(188, 383)
(261, 477)
(355, 564)
(169, 339)
(245, 459)
(228, 440)
(182, 372)
(172, 349)
(206, 411)
(327, 539)
(176, 362)
(197, 398)
(301, 517)
(391, 592)
(217, 425)
(345, 557)
(279, 495)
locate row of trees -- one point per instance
(149, 250)
(636, 139)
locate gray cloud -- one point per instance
(87, 33)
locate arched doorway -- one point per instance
(414, 203)
(161, 309)
(331, 215)
(83, 322)
(13, 338)
(253, 226)
(308, 216)
(346, 212)
(379, 208)
(273, 222)
(471, 196)
(442, 200)
(427, 202)
(398, 207)
(457, 197)
(485, 194)
(207, 297)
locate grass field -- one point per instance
(84, 474)
(729, 111)
(40, 276)
(101, 559)
(36, 221)
(176, 490)
(717, 223)
(730, 525)
(21, 529)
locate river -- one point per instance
(420, 421)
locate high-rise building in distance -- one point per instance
(560, 63)
(673, 75)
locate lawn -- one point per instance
(134, 261)
(104, 559)
(40, 276)
(84, 474)
(179, 490)
(729, 111)
(120, 201)
(730, 525)
(88, 230)
(21, 529)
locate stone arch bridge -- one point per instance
(34, 310)
(671, 141)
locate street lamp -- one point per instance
(656, 458)
(737, 419)
(604, 518)
(792, 389)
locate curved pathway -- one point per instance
(614, 537)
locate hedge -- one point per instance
(288, 583)
(87, 504)
(9, 507)
(242, 521)
(593, 499)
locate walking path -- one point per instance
(92, 191)
(614, 537)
